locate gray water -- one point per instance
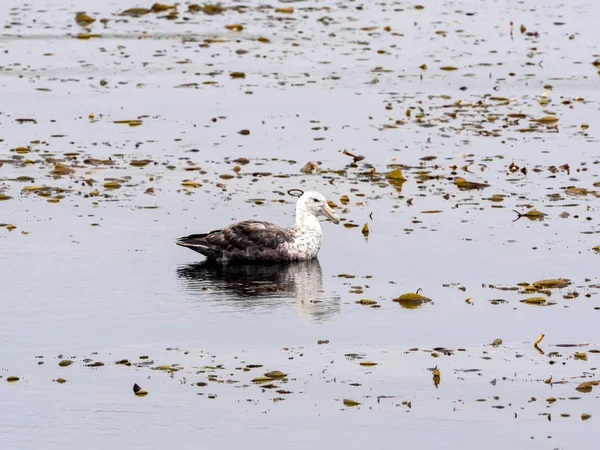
(94, 275)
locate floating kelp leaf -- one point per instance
(161, 7)
(365, 301)
(344, 199)
(60, 380)
(259, 380)
(596, 248)
(368, 364)
(411, 300)
(25, 120)
(137, 390)
(83, 19)
(86, 36)
(237, 75)
(497, 342)
(533, 214)
(208, 8)
(4, 197)
(309, 167)
(285, 10)
(395, 174)
(365, 230)
(244, 132)
(130, 122)
(497, 301)
(65, 363)
(12, 379)
(546, 119)
(11, 227)
(235, 27)
(350, 225)
(552, 283)
(581, 356)
(191, 184)
(36, 188)
(496, 198)
(350, 403)
(140, 162)
(187, 85)
(436, 376)
(112, 185)
(534, 301)
(463, 184)
(263, 39)
(95, 162)
(276, 374)
(587, 386)
(448, 68)
(166, 368)
(577, 191)
(135, 12)
(94, 364)
(226, 176)
(61, 169)
(586, 416)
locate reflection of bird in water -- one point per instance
(255, 241)
(262, 286)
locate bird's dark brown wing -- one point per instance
(247, 240)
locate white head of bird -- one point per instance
(312, 204)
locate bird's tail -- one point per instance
(198, 243)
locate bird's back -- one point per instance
(249, 240)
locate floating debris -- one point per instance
(138, 391)
(411, 300)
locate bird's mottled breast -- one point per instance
(307, 243)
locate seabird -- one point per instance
(255, 241)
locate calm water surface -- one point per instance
(96, 277)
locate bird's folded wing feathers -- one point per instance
(250, 233)
(240, 236)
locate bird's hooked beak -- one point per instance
(328, 212)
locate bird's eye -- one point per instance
(315, 199)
